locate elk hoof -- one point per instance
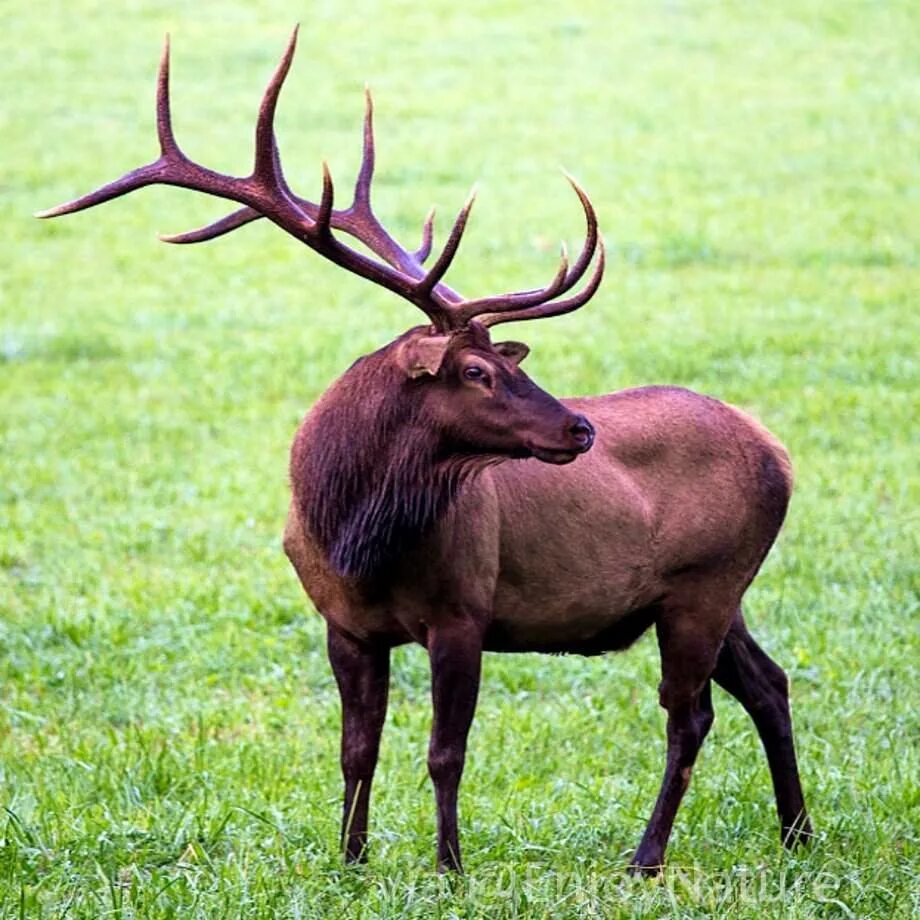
(356, 856)
(798, 834)
(642, 867)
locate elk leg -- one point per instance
(455, 651)
(362, 672)
(687, 660)
(762, 688)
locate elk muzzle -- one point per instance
(577, 438)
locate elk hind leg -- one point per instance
(762, 688)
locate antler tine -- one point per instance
(591, 236)
(137, 178)
(213, 230)
(366, 172)
(322, 222)
(426, 286)
(267, 165)
(168, 145)
(558, 307)
(565, 279)
(422, 253)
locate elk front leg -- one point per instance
(362, 672)
(455, 651)
(687, 660)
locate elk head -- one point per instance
(477, 397)
(486, 403)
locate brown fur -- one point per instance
(404, 527)
(378, 483)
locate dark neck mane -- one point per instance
(375, 482)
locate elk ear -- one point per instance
(424, 355)
(513, 351)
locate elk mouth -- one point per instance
(555, 455)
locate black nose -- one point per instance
(582, 432)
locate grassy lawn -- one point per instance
(168, 721)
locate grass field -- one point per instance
(168, 721)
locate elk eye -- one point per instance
(474, 372)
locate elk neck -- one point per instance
(370, 472)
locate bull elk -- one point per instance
(440, 497)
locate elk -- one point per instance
(439, 496)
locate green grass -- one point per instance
(168, 722)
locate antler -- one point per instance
(265, 193)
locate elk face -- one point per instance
(478, 397)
